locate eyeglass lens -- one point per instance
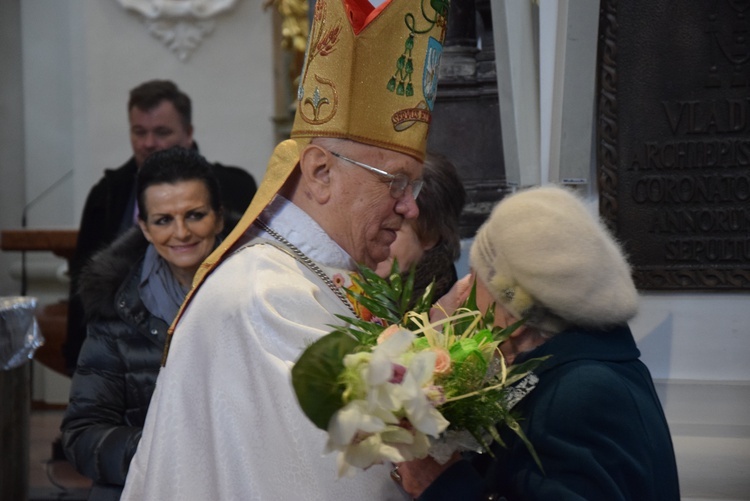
(400, 182)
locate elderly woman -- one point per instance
(594, 417)
(132, 291)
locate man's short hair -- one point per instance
(149, 95)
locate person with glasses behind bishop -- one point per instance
(224, 422)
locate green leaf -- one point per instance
(528, 365)
(513, 425)
(424, 303)
(462, 349)
(502, 334)
(315, 376)
(390, 299)
(471, 301)
(362, 330)
(484, 336)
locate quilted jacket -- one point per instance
(117, 368)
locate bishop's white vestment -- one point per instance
(224, 423)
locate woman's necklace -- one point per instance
(302, 258)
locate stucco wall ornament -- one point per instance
(180, 24)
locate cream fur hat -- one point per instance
(546, 258)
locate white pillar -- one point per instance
(516, 42)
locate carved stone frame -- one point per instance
(608, 160)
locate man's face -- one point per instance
(367, 216)
(157, 129)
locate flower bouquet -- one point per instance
(395, 386)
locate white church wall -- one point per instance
(78, 61)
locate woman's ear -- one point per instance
(220, 221)
(144, 229)
(315, 171)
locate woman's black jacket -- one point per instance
(117, 368)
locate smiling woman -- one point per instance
(178, 220)
(131, 292)
(180, 225)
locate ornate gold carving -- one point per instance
(294, 25)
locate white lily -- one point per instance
(355, 418)
(372, 449)
(419, 410)
(384, 354)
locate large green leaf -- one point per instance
(315, 376)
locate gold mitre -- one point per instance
(371, 74)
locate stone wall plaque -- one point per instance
(673, 127)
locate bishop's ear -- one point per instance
(315, 169)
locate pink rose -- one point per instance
(442, 361)
(388, 332)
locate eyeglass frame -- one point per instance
(416, 185)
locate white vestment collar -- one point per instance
(303, 232)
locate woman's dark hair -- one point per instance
(172, 166)
(440, 204)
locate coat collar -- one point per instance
(613, 345)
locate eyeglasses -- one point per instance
(398, 182)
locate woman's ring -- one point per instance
(395, 475)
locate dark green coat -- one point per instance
(594, 420)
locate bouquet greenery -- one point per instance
(395, 386)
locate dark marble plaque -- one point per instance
(673, 127)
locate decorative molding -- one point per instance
(608, 154)
(181, 25)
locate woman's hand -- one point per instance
(447, 304)
(417, 475)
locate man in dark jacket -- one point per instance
(160, 116)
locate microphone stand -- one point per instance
(58, 182)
